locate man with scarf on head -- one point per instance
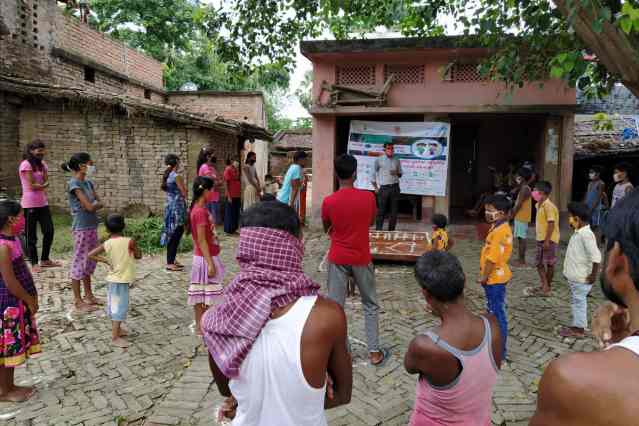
(601, 388)
(274, 343)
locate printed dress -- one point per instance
(20, 338)
(205, 289)
(174, 210)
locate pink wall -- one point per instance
(434, 91)
(323, 182)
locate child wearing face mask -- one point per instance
(581, 266)
(547, 233)
(84, 204)
(19, 337)
(522, 212)
(623, 186)
(495, 273)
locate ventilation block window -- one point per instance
(465, 73)
(405, 74)
(89, 74)
(147, 94)
(355, 75)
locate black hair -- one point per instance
(76, 160)
(202, 157)
(299, 155)
(268, 177)
(274, 215)
(36, 163)
(525, 173)
(200, 184)
(228, 161)
(387, 144)
(596, 169)
(249, 156)
(440, 221)
(8, 209)
(213, 159)
(345, 166)
(441, 274)
(114, 223)
(622, 226)
(544, 186)
(268, 197)
(624, 167)
(170, 161)
(501, 202)
(579, 210)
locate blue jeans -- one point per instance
(496, 300)
(579, 303)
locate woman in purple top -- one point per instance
(34, 177)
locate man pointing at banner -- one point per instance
(385, 180)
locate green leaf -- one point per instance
(556, 72)
(626, 25)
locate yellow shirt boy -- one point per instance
(547, 212)
(497, 249)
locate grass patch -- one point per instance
(146, 232)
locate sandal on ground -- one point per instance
(569, 332)
(174, 268)
(50, 264)
(36, 269)
(385, 357)
(85, 308)
(120, 343)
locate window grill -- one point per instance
(405, 74)
(355, 75)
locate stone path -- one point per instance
(163, 377)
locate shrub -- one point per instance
(147, 233)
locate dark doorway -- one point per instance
(463, 163)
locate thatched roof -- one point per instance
(293, 139)
(591, 142)
(132, 106)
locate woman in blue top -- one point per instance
(594, 195)
(293, 181)
(84, 204)
(174, 211)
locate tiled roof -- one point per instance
(292, 139)
(591, 142)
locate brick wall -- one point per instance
(76, 37)
(248, 106)
(128, 152)
(10, 154)
(25, 52)
(69, 74)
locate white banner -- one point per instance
(422, 147)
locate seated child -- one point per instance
(270, 185)
(440, 240)
(121, 253)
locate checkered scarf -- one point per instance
(270, 277)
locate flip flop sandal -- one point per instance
(534, 292)
(386, 355)
(51, 265)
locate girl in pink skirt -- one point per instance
(207, 272)
(84, 204)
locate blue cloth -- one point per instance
(82, 219)
(214, 209)
(294, 172)
(593, 201)
(174, 209)
(521, 230)
(118, 301)
(496, 301)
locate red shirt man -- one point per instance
(347, 216)
(233, 183)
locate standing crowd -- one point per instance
(279, 350)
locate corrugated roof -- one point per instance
(591, 142)
(292, 139)
(131, 105)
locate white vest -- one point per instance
(631, 343)
(271, 389)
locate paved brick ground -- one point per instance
(163, 377)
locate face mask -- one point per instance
(618, 177)
(90, 170)
(592, 176)
(491, 216)
(39, 156)
(573, 222)
(18, 226)
(536, 195)
(519, 180)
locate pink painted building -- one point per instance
(435, 80)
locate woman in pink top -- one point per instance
(458, 361)
(206, 167)
(34, 177)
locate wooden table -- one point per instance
(399, 246)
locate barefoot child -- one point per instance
(84, 203)
(547, 225)
(495, 255)
(440, 240)
(121, 253)
(207, 271)
(19, 337)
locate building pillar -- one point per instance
(551, 159)
(323, 164)
(567, 160)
